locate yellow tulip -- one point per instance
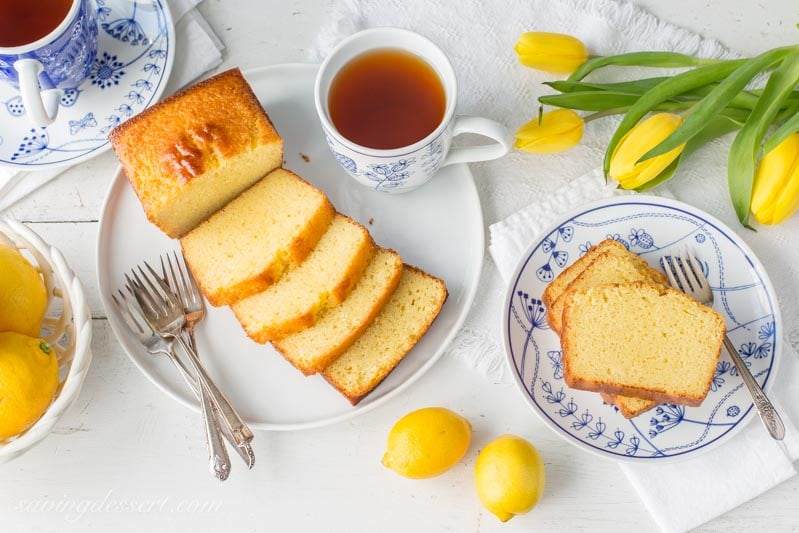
(555, 131)
(551, 52)
(638, 141)
(775, 193)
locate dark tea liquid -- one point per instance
(386, 98)
(27, 21)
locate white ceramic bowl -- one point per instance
(67, 327)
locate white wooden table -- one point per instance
(128, 458)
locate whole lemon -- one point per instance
(427, 442)
(509, 476)
(28, 380)
(23, 297)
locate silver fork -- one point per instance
(163, 311)
(685, 274)
(155, 344)
(179, 278)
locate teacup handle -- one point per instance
(41, 106)
(485, 152)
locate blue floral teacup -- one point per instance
(62, 59)
(406, 168)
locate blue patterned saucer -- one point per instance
(650, 227)
(135, 53)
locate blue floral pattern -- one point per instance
(651, 229)
(390, 175)
(129, 73)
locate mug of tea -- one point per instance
(46, 47)
(386, 99)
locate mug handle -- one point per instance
(486, 152)
(40, 105)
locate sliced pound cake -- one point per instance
(323, 280)
(397, 328)
(628, 406)
(247, 245)
(312, 350)
(607, 267)
(193, 152)
(640, 339)
(559, 285)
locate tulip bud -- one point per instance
(775, 193)
(638, 141)
(554, 132)
(551, 52)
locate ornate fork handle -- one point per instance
(768, 414)
(239, 431)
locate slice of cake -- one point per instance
(559, 285)
(628, 406)
(193, 152)
(640, 339)
(401, 323)
(323, 280)
(607, 267)
(312, 350)
(247, 245)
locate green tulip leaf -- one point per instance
(745, 146)
(674, 86)
(788, 128)
(589, 100)
(641, 59)
(719, 98)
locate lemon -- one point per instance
(28, 380)
(427, 442)
(23, 297)
(509, 476)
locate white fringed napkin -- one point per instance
(197, 50)
(522, 193)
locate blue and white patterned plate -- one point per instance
(650, 227)
(135, 52)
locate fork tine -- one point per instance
(695, 269)
(142, 293)
(177, 282)
(668, 266)
(168, 297)
(127, 312)
(184, 288)
(163, 270)
(681, 271)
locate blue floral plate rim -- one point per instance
(135, 56)
(628, 443)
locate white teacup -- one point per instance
(406, 168)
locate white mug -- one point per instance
(406, 168)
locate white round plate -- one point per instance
(651, 227)
(438, 227)
(135, 53)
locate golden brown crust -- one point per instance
(623, 406)
(167, 145)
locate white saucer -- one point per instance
(438, 227)
(127, 77)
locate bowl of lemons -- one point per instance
(45, 333)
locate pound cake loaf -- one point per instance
(640, 339)
(607, 267)
(559, 285)
(312, 350)
(323, 280)
(193, 152)
(401, 323)
(246, 246)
